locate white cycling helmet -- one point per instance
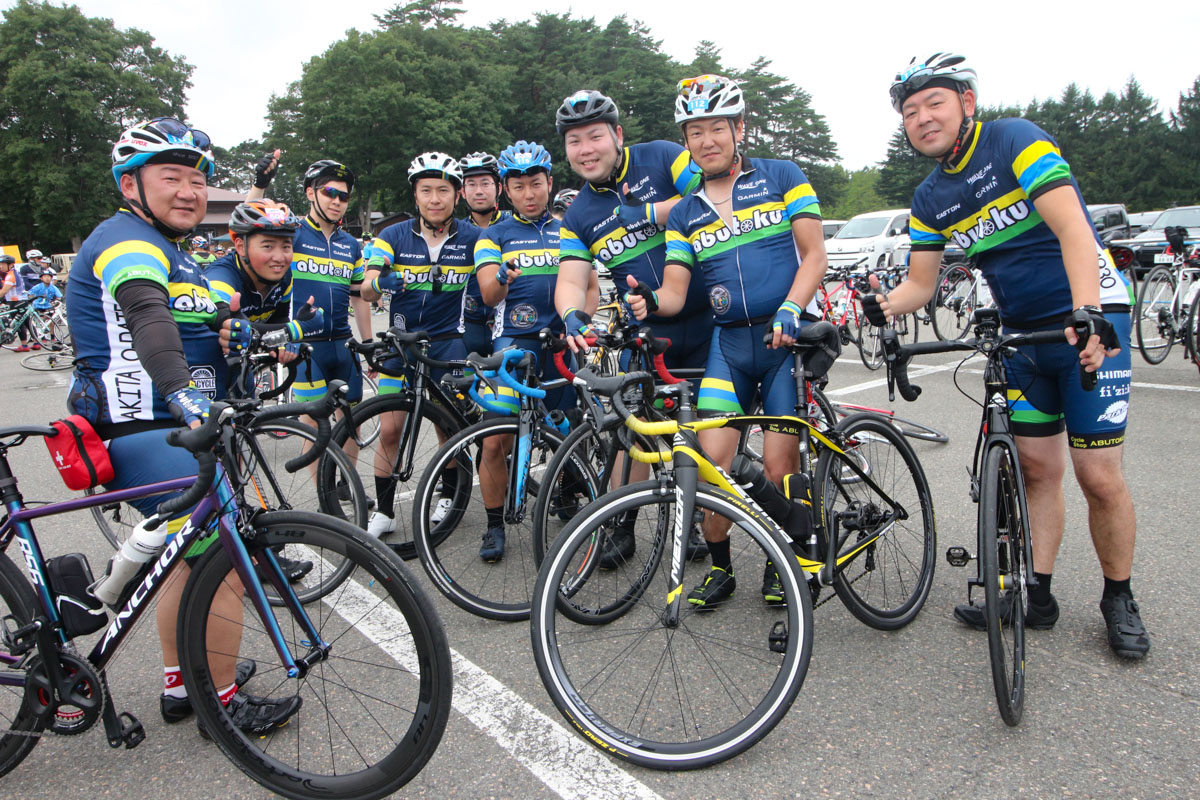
(33, 255)
(435, 165)
(940, 69)
(708, 96)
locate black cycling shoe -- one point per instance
(772, 587)
(258, 715)
(343, 490)
(617, 548)
(293, 570)
(697, 548)
(177, 709)
(1126, 634)
(1038, 618)
(716, 588)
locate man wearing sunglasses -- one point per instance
(327, 265)
(148, 357)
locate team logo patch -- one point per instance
(205, 378)
(398, 321)
(718, 297)
(470, 303)
(523, 316)
(1115, 413)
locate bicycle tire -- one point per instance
(303, 490)
(725, 688)
(575, 477)
(955, 301)
(884, 584)
(498, 590)
(1192, 331)
(1002, 557)
(384, 686)
(49, 361)
(1155, 335)
(21, 726)
(870, 344)
(366, 417)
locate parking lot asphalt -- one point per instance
(903, 714)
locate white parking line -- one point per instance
(571, 768)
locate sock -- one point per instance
(1113, 588)
(385, 495)
(628, 520)
(448, 481)
(173, 683)
(227, 693)
(495, 517)
(720, 555)
(1040, 595)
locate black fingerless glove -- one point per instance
(872, 310)
(1087, 320)
(264, 171)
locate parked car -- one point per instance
(903, 248)
(832, 226)
(1152, 242)
(874, 234)
(1142, 221)
(1111, 221)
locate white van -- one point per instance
(874, 234)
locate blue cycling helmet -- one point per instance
(162, 140)
(523, 158)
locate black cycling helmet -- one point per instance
(479, 164)
(583, 108)
(329, 171)
(7, 259)
(263, 216)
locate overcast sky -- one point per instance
(844, 54)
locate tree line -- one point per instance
(422, 81)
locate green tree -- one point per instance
(707, 60)
(780, 120)
(235, 167)
(423, 13)
(68, 85)
(901, 171)
(1184, 143)
(860, 195)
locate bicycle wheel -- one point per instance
(372, 454)
(374, 705)
(1152, 316)
(1002, 531)
(49, 360)
(885, 564)
(450, 552)
(955, 300)
(574, 477)
(1192, 330)
(270, 486)
(679, 697)
(870, 344)
(18, 603)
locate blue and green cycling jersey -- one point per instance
(110, 384)
(532, 246)
(426, 292)
(326, 269)
(654, 171)
(984, 204)
(227, 276)
(474, 309)
(748, 268)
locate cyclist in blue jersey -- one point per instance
(753, 231)
(516, 261)
(142, 319)
(618, 220)
(44, 293)
(422, 264)
(1004, 193)
(481, 192)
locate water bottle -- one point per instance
(794, 513)
(142, 545)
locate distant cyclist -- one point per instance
(562, 201)
(12, 292)
(1003, 192)
(751, 234)
(202, 251)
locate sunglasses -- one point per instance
(177, 130)
(335, 194)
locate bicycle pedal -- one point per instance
(958, 556)
(19, 641)
(777, 639)
(132, 733)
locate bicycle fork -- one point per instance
(687, 472)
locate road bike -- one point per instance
(1166, 299)
(368, 664)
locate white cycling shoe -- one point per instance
(444, 504)
(380, 525)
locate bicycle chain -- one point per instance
(829, 597)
